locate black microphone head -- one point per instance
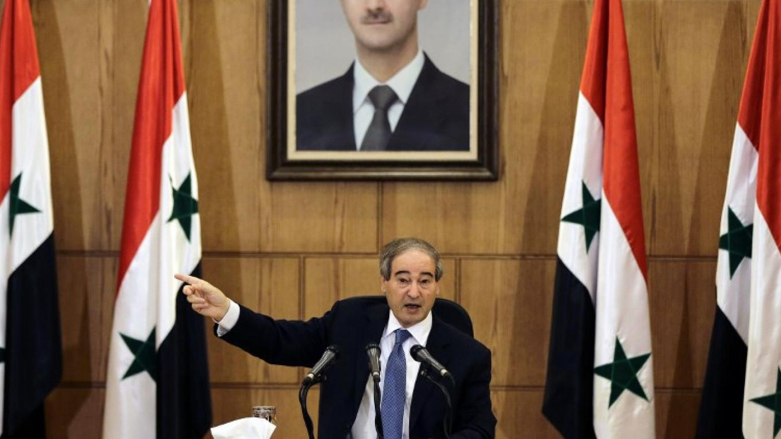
(335, 349)
(372, 346)
(414, 351)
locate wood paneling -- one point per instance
(510, 303)
(225, 104)
(683, 305)
(268, 286)
(82, 284)
(518, 413)
(687, 92)
(70, 45)
(74, 413)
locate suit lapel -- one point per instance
(339, 107)
(422, 113)
(376, 319)
(438, 345)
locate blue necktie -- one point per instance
(394, 391)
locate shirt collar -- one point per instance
(420, 331)
(401, 83)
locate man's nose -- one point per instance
(374, 5)
(414, 290)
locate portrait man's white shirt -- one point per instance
(402, 84)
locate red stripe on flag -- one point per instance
(769, 166)
(750, 113)
(161, 85)
(592, 83)
(18, 70)
(621, 181)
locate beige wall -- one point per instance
(292, 248)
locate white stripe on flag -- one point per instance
(585, 166)
(622, 312)
(764, 339)
(733, 289)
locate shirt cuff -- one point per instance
(229, 320)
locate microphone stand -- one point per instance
(447, 423)
(377, 412)
(302, 394)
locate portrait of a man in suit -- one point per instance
(392, 97)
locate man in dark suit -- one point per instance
(392, 98)
(411, 407)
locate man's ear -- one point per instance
(383, 285)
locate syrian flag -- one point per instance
(157, 383)
(600, 374)
(30, 345)
(722, 395)
(762, 390)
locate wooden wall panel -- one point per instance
(510, 303)
(81, 283)
(75, 412)
(70, 46)
(687, 102)
(225, 105)
(268, 286)
(123, 68)
(683, 306)
(676, 413)
(519, 414)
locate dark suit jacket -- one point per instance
(435, 118)
(351, 325)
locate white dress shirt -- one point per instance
(363, 427)
(401, 83)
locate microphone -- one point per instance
(330, 355)
(373, 351)
(420, 354)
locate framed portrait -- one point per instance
(388, 90)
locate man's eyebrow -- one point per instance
(406, 272)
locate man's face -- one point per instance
(411, 289)
(380, 25)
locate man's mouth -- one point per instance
(380, 17)
(411, 307)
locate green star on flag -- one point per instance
(737, 241)
(773, 403)
(146, 357)
(587, 216)
(622, 373)
(18, 206)
(185, 206)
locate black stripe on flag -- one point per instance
(721, 409)
(183, 399)
(33, 356)
(569, 384)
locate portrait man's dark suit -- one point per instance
(435, 118)
(351, 325)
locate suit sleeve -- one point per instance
(473, 417)
(281, 342)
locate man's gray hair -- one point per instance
(399, 246)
